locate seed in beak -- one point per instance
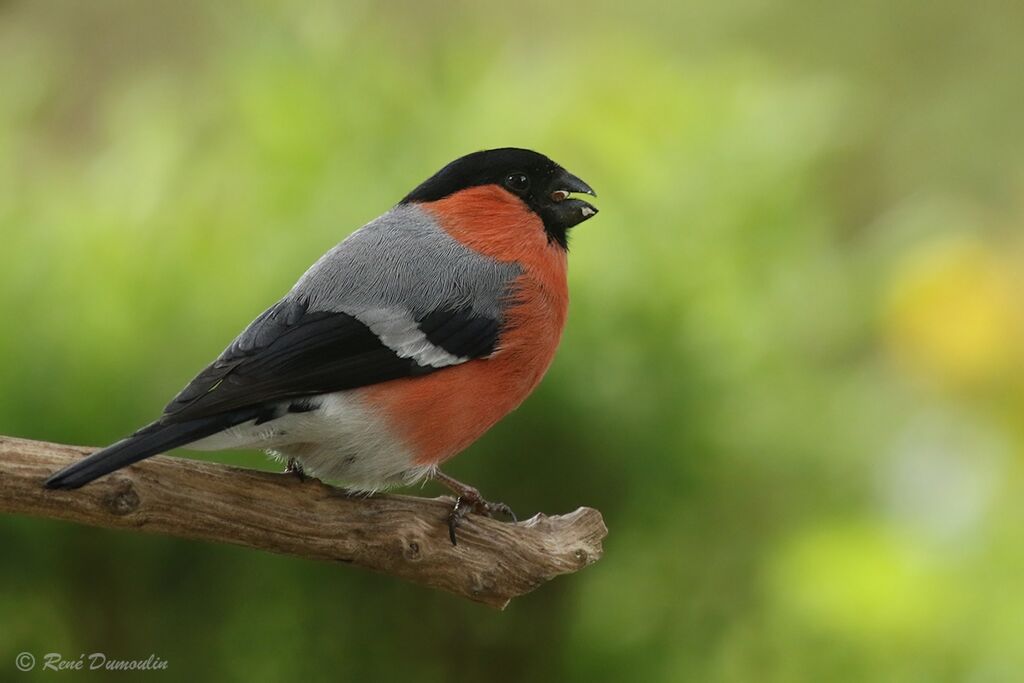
(559, 196)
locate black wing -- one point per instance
(290, 352)
(461, 332)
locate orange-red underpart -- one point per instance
(440, 414)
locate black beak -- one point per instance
(561, 209)
(570, 183)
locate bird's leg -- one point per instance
(468, 499)
(293, 467)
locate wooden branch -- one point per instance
(403, 536)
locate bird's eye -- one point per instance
(517, 182)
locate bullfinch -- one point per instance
(401, 346)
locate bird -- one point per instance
(400, 346)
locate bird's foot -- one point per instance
(468, 499)
(466, 503)
(293, 467)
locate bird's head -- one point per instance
(546, 188)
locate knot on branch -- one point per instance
(123, 500)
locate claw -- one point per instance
(293, 467)
(459, 511)
(494, 508)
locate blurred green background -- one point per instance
(792, 378)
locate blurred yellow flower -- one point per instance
(952, 312)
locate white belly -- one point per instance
(340, 440)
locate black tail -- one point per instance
(150, 440)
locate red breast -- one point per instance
(440, 414)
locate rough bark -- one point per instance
(403, 536)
